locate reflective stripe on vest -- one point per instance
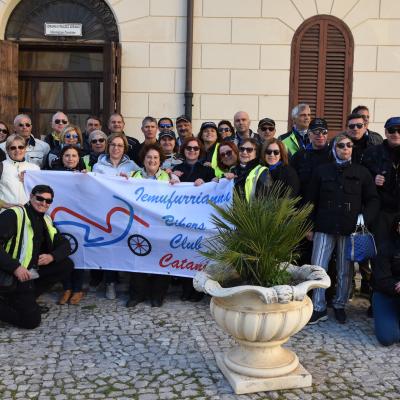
(162, 177)
(251, 181)
(25, 255)
(291, 144)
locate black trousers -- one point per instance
(19, 307)
(148, 285)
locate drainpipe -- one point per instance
(189, 59)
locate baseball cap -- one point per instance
(208, 124)
(318, 123)
(167, 133)
(266, 121)
(394, 121)
(183, 118)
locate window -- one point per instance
(321, 72)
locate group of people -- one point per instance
(354, 173)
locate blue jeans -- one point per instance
(386, 318)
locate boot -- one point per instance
(76, 298)
(65, 297)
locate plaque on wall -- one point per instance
(56, 29)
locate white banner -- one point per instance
(137, 225)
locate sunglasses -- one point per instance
(101, 140)
(42, 199)
(221, 130)
(274, 152)
(267, 128)
(192, 148)
(342, 146)
(358, 126)
(117, 145)
(12, 148)
(166, 125)
(60, 121)
(320, 132)
(4, 131)
(392, 130)
(71, 136)
(226, 154)
(27, 125)
(248, 150)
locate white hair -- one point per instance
(19, 117)
(298, 109)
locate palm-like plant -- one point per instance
(256, 240)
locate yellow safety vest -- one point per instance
(251, 181)
(23, 250)
(86, 160)
(214, 163)
(162, 177)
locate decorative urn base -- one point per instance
(261, 320)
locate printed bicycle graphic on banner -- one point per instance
(138, 244)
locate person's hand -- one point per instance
(178, 173)
(397, 287)
(198, 182)
(174, 180)
(9, 205)
(215, 179)
(124, 175)
(207, 164)
(310, 236)
(379, 180)
(84, 171)
(45, 259)
(22, 274)
(229, 175)
(21, 176)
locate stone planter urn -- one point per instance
(261, 319)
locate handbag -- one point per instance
(360, 245)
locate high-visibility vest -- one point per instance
(214, 163)
(86, 161)
(251, 181)
(21, 246)
(291, 144)
(162, 177)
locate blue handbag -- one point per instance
(360, 245)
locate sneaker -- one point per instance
(110, 291)
(318, 316)
(340, 315)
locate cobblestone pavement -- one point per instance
(102, 350)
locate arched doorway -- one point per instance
(321, 72)
(67, 57)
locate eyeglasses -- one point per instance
(221, 130)
(267, 128)
(165, 125)
(71, 136)
(248, 150)
(60, 121)
(392, 130)
(319, 132)
(13, 148)
(349, 145)
(27, 125)
(4, 131)
(100, 140)
(226, 154)
(358, 126)
(192, 148)
(116, 145)
(274, 152)
(42, 199)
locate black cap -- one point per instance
(208, 124)
(266, 121)
(167, 133)
(318, 123)
(394, 121)
(183, 118)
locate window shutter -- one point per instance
(321, 70)
(8, 81)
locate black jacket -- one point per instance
(193, 172)
(386, 269)
(59, 249)
(283, 174)
(305, 162)
(385, 160)
(242, 174)
(339, 193)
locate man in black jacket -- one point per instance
(34, 253)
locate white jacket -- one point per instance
(104, 166)
(36, 151)
(11, 188)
